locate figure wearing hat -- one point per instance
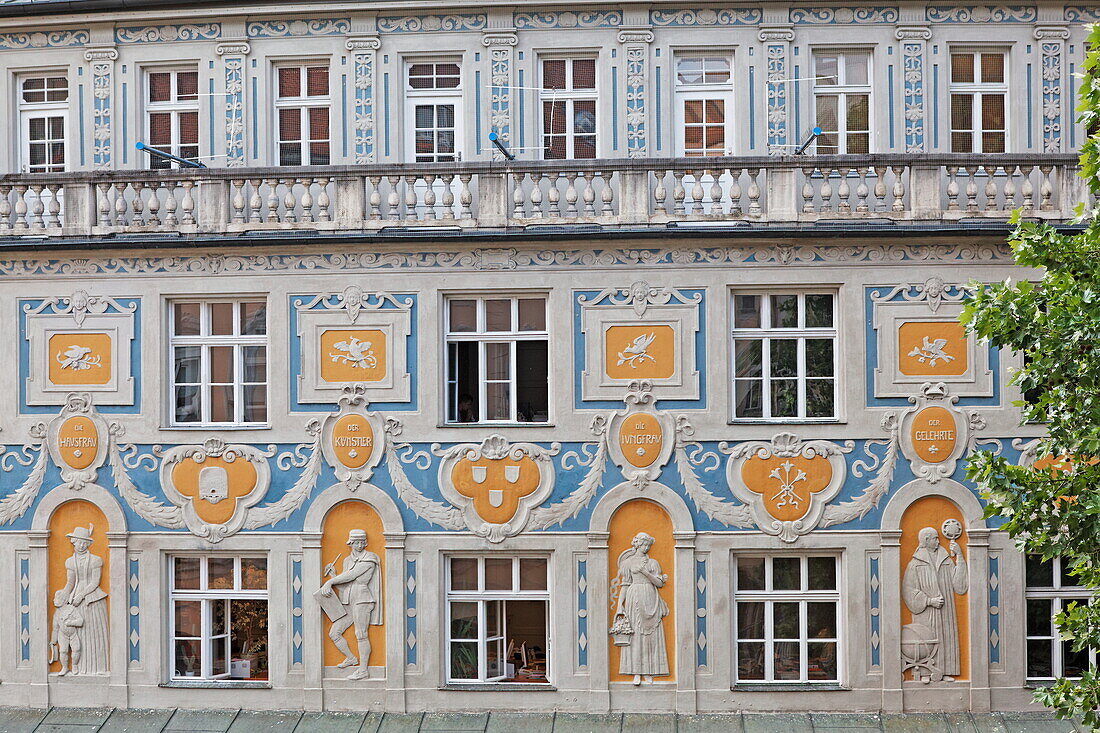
(82, 604)
(358, 587)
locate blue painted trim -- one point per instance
(702, 645)
(936, 106)
(657, 107)
(410, 613)
(25, 609)
(477, 110)
(80, 120)
(582, 613)
(211, 105)
(296, 614)
(614, 108)
(386, 110)
(125, 127)
(876, 614)
(1073, 96)
(255, 122)
(752, 108)
(344, 111)
(522, 124)
(133, 587)
(1030, 110)
(797, 102)
(995, 581)
(890, 101)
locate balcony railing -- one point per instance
(903, 189)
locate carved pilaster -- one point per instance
(1052, 46)
(777, 43)
(102, 61)
(234, 54)
(636, 51)
(364, 50)
(913, 48)
(501, 47)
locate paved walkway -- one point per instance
(85, 720)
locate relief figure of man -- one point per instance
(358, 588)
(933, 577)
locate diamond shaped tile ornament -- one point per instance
(583, 641)
(786, 482)
(411, 640)
(935, 433)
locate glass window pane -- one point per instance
(187, 85)
(821, 661)
(186, 573)
(532, 314)
(750, 620)
(255, 363)
(1040, 614)
(962, 68)
(819, 311)
(498, 315)
(1065, 578)
(748, 357)
(254, 319)
(219, 656)
(188, 407)
(498, 405)
(746, 311)
(828, 118)
(463, 315)
(532, 381)
(584, 73)
(219, 615)
(993, 68)
(822, 571)
(498, 361)
(1040, 658)
(464, 620)
(819, 357)
(693, 111)
(993, 112)
(750, 661)
(221, 364)
(820, 398)
(787, 666)
(749, 398)
(498, 573)
(464, 660)
(160, 86)
(855, 68)
(689, 70)
(532, 573)
(290, 81)
(188, 662)
(255, 403)
(185, 319)
(553, 74)
(784, 398)
(1039, 574)
(993, 142)
(857, 117)
(821, 620)
(786, 573)
(463, 573)
(317, 81)
(750, 573)
(221, 319)
(187, 361)
(784, 357)
(248, 640)
(827, 70)
(254, 573)
(784, 311)
(1073, 663)
(219, 573)
(785, 620)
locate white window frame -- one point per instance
(434, 97)
(483, 337)
(173, 107)
(42, 110)
(303, 104)
(204, 340)
(804, 596)
(207, 596)
(841, 90)
(570, 97)
(976, 90)
(704, 92)
(1059, 597)
(766, 334)
(482, 597)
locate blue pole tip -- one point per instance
(817, 131)
(492, 137)
(139, 145)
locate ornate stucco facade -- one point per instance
(421, 427)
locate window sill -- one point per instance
(788, 687)
(786, 421)
(216, 426)
(500, 686)
(219, 684)
(495, 425)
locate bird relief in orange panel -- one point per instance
(787, 483)
(353, 355)
(214, 485)
(496, 485)
(932, 349)
(79, 359)
(646, 351)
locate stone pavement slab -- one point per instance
(1036, 723)
(207, 721)
(332, 723)
(987, 722)
(649, 723)
(920, 723)
(455, 722)
(137, 721)
(845, 721)
(526, 722)
(65, 728)
(400, 723)
(257, 721)
(590, 723)
(371, 723)
(718, 723)
(20, 720)
(777, 723)
(76, 716)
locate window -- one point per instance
(498, 611)
(784, 356)
(787, 619)
(497, 359)
(302, 108)
(219, 617)
(978, 102)
(219, 357)
(43, 107)
(842, 102)
(172, 103)
(704, 104)
(568, 108)
(1050, 588)
(434, 94)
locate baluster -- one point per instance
(448, 196)
(553, 195)
(411, 197)
(20, 207)
(953, 188)
(154, 202)
(735, 192)
(589, 195)
(990, 188)
(290, 201)
(35, 220)
(375, 198)
(827, 189)
(237, 201)
(696, 205)
(880, 188)
(899, 188)
(659, 193)
(754, 192)
(465, 197)
(429, 197)
(678, 193)
(1046, 189)
(255, 202)
(306, 199)
(55, 206)
(5, 208)
(272, 200)
(393, 198)
(120, 205)
(1010, 187)
(138, 205)
(187, 205)
(1027, 189)
(103, 204)
(324, 203)
(807, 190)
(534, 194)
(862, 192)
(519, 196)
(607, 195)
(715, 192)
(844, 191)
(571, 195)
(972, 188)
(170, 204)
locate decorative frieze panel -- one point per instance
(688, 17)
(354, 339)
(133, 591)
(636, 44)
(1052, 45)
(640, 332)
(850, 14)
(777, 42)
(919, 338)
(423, 23)
(913, 43)
(640, 439)
(168, 33)
(44, 39)
(1082, 13)
(501, 59)
(567, 19)
(298, 28)
(102, 61)
(353, 439)
(582, 613)
(981, 13)
(81, 342)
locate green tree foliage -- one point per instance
(1053, 319)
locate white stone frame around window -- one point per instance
(977, 90)
(568, 96)
(303, 103)
(47, 110)
(842, 89)
(1058, 596)
(173, 107)
(434, 97)
(704, 91)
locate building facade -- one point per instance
(644, 408)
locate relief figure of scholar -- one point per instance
(638, 627)
(356, 602)
(933, 577)
(78, 639)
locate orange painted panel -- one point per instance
(641, 438)
(934, 434)
(642, 515)
(80, 359)
(932, 349)
(78, 442)
(496, 485)
(640, 352)
(931, 511)
(353, 355)
(787, 484)
(339, 521)
(353, 440)
(59, 548)
(240, 477)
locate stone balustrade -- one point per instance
(492, 196)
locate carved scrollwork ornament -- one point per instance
(640, 438)
(78, 439)
(935, 433)
(16, 504)
(353, 439)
